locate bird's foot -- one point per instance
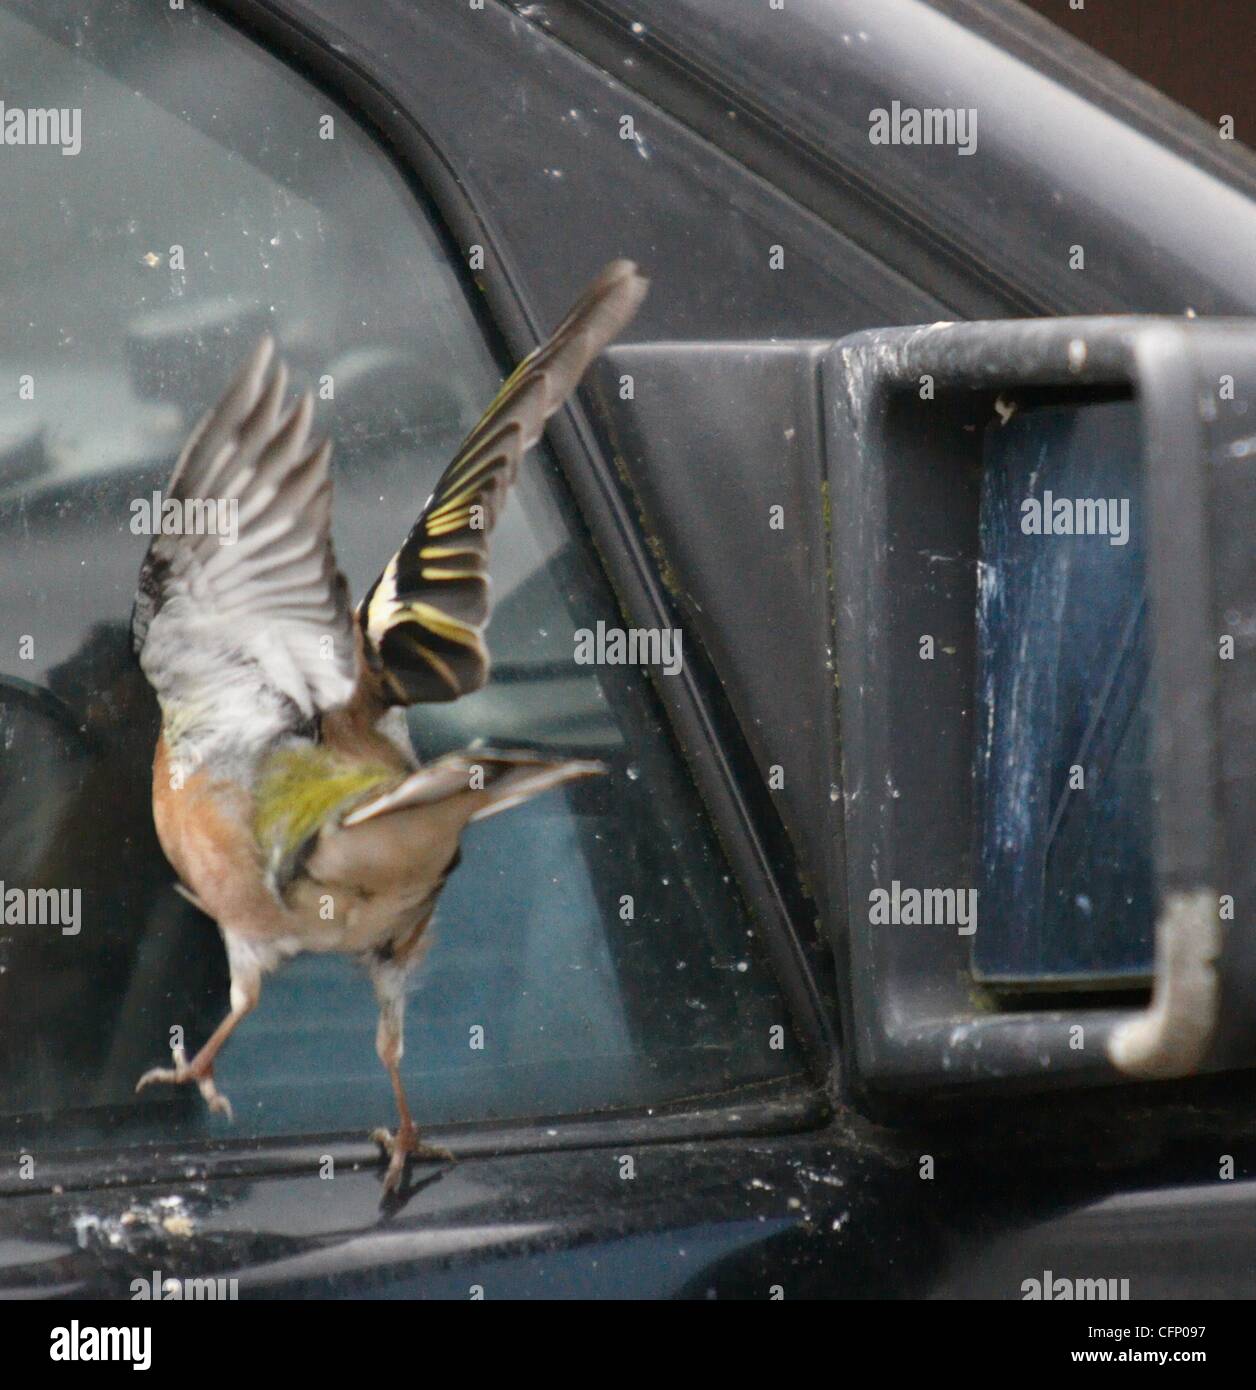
(401, 1147)
(184, 1071)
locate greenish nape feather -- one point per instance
(300, 787)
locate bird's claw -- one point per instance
(401, 1147)
(181, 1073)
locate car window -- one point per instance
(591, 950)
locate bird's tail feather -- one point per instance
(493, 780)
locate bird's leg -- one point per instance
(246, 987)
(389, 979)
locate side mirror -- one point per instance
(1075, 749)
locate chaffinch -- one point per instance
(286, 794)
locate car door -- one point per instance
(645, 1026)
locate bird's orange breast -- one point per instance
(205, 827)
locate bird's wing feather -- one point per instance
(261, 624)
(424, 617)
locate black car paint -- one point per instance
(849, 1209)
(834, 1204)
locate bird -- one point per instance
(286, 794)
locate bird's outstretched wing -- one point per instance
(242, 621)
(424, 617)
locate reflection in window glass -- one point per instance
(593, 934)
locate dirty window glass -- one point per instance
(212, 194)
